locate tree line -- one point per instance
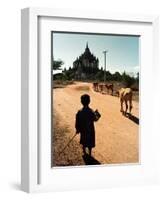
(95, 75)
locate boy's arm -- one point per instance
(77, 124)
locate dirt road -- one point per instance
(117, 137)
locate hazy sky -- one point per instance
(123, 51)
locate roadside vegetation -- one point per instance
(68, 76)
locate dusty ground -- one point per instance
(117, 137)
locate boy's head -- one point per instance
(85, 99)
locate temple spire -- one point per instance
(87, 45)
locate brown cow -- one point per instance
(101, 87)
(109, 87)
(95, 86)
(125, 95)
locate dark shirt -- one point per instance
(85, 119)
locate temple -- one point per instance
(86, 65)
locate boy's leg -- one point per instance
(90, 151)
(84, 150)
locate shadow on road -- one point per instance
(89, 160)
(133, 118)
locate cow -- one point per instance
(125, 95)
(109, 87)
(101, 87)
(95, 86)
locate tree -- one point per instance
(57, 64)
(108, 76)
(116, 76)
(127, 80)
(137, 77)
(99, 76)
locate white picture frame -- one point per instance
(36, 171)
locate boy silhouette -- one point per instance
(84, 125)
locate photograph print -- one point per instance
(95, 99)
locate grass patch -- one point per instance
(61, 83)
